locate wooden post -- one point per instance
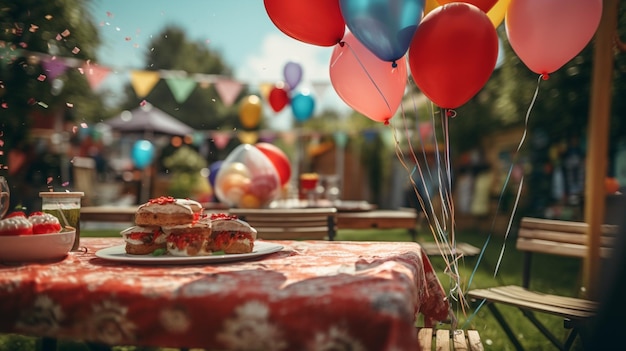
(598, 134)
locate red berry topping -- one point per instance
(222, 216)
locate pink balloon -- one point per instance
(547, 34)
(366, 83)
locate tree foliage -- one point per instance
(29, 31)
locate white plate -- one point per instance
(118, 253)
(36, 247)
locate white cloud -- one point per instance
(276, 51)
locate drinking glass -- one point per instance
(308, 184)
(66, 207)
(5, 196)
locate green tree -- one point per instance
(31, 30)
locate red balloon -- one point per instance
(453, 53)
(484, 5)
(314, 22)
(278, 98)
(278, 158)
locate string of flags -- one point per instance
(180, 83)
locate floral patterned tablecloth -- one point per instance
(312, 295)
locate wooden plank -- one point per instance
(473, 340)
(560, 249)
(425, 338)
(458, 340)
(442, 340)
(574, 238)
(465, 249)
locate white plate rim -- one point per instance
(118, 253)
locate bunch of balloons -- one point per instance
(251, 176)
(451, 47)
(284, 93)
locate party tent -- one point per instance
(149, 120)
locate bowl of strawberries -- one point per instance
(35, 237)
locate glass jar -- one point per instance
(66, 207)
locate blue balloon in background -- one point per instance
(142, 153)
(385, 27)
(213, 169)
(302, 106)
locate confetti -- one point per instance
(81, 70)
(41, 77)
(33, 28)
(23, 45)
(5, 105)
(69, 104)
(58, 37)
(128, 38)
(48, 17)
(64, 184)
(49, 180)
(42, 104)
(109, 14)
(74, 129)
(75, 50)
(84, 125)
(143, 103)
(66, 33)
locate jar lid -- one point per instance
(61, 194)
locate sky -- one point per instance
(240, 30)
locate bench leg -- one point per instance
(505, 326)
(556, 342)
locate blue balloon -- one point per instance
(142, 153)
(302, 106)
(213, 169)
(385, 27)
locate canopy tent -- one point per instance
(148, 119)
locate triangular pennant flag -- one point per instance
(95, 74)
(181, 88)
(220, 139)
(247, 137)
(265, 89)
(53, 67)
(228, 90)
(144, 81)
(320, 88)
(289, 137)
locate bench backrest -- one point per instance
(291, 224)
(557, 237)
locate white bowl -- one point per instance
(36, 247)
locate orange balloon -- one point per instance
(250, 111)
(249, 201)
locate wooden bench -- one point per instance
(553, 237)
(293, 224)
(446, 339)
(465, 249)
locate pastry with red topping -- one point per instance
(231, 235)
(189, 239)
(44, 223)
(16, 223)
(168, 211)
(143, 240)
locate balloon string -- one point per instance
(515, 204)
(439, 226)
(368, 76)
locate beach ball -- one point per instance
(247, 179)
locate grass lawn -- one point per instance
(551, 274)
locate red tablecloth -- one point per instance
(309, 296)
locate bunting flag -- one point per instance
(144, 81)
(94, 74)
(53, 67)
(220, 139)
(320, 88)
(228, 90)
(181, 87)
(248, 137)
